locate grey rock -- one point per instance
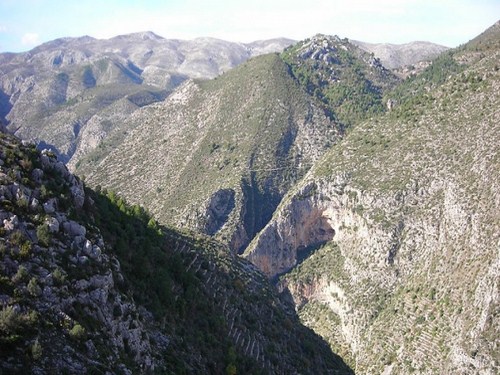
(83, 260)
(78, 194)
(35, 204)
(50, 206)
(218, 209)
(37, 175)
(53, 224)
(14, 188)
(87, 247)
(74, 229)
(96, 253)
(61, 169)
(77, 243)
(81, 284)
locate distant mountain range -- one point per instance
(395, 56)
(71, 87)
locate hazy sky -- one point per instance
(27, 23)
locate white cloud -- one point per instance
(3, 29)
(30, 39)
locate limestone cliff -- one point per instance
(389, 247)
(57, 273)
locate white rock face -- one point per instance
(380, 260)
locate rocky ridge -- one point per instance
(389, 247)
(56, 272)
(350, 81)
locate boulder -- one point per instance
(37, 175)
(87, 247)
(74, 229)
(50, 206)
(35, 203)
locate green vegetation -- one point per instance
(425, 164)
(139, 245)
(15, 326)
(343, 77)
(43, 234)
(219, 137)
(412, 96)
(77, 332)
(159, 276)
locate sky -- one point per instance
(25, 24)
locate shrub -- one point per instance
(36, 350)
(231, 369)
(23, 203)
(21, 274)
(17, 238)
(43, 234)
(33, 287)
(25, 250)
(9, 321)
(58, 276)
(77, 332)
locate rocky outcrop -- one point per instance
(63, 275)
(366, 277)
(350, 81)
(216, 211)
(303, 225)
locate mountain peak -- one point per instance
(142, 35)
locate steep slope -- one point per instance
(91, 285)
(394, 56)
(389, 247)
(217, 156)
(52, 93)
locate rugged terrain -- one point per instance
(390, 245)
(347, 79)
(90, 285)
(371, 201)
(69, 93)
(219, 155)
